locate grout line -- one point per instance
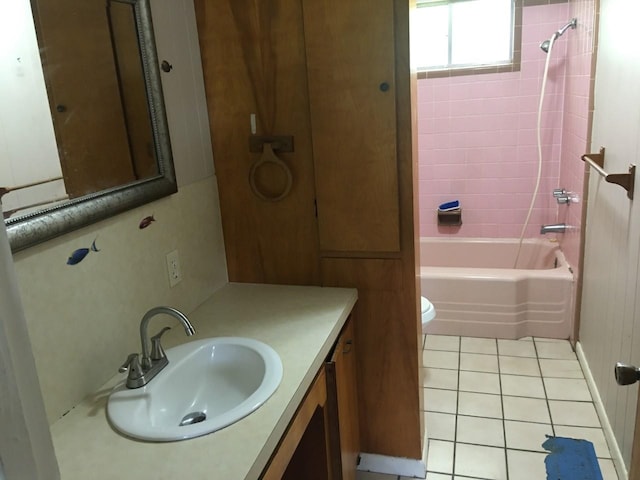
(504, 427)
(544, 387)
(455, 423)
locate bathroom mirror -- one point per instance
(102, 76)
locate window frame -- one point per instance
(456, 70)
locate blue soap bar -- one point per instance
(446, 207)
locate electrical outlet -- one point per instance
(173, 268)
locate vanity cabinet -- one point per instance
(322, 442)
(343, 400)
(303, 451)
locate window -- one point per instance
(451, 34)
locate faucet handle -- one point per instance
(157, 352)
(132, 365)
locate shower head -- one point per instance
(545, 45)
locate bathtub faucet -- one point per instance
(556, 228)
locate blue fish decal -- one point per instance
(78, 255)
(146, 221)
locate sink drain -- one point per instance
(193, 417)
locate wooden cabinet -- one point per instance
(334, 74)
(352, 102)
(322, 442)
(303, 450)
(342, 401)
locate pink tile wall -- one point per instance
(575, 141)
(477, 138)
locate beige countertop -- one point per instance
(300, 323)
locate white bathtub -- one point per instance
(477, 292)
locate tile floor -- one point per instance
(488, 405)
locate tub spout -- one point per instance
(556, 228)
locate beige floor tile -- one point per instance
(477, 362)
(480, 431)
(594, 435)
(526, 436)
(440, 456)
(479, 382)
(577, 414)
(479, 405)
(554, 368)
(521, 386)
(440, 378)
(526, 465)
(374, 476)
(560, 350)
(567, 389)
(478, 345)
(436, 476)
(481, 462)
(431, 476)
(440, 359)
(437, 400)
(526, 409)
(519, 366)
(608, 469)
(440, 426)
(442, 342)
(516, 348)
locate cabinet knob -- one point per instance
(384, 87)
(61, 108)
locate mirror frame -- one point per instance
(31, 229)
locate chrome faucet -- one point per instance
(143, 367)
(556, 228)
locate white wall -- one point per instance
(610, 319)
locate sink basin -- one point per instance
(208, 385)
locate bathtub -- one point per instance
(477, 292)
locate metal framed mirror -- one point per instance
(84, 208)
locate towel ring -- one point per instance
(269, 157)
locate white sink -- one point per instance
(208, 385)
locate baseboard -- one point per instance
(614, 449)
(406, 467)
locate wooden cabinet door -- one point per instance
(302, 452)
(342, 393)
(351, 79)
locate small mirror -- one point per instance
(102, 78)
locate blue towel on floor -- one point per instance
(571, 459)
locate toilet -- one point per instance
(428, 312)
